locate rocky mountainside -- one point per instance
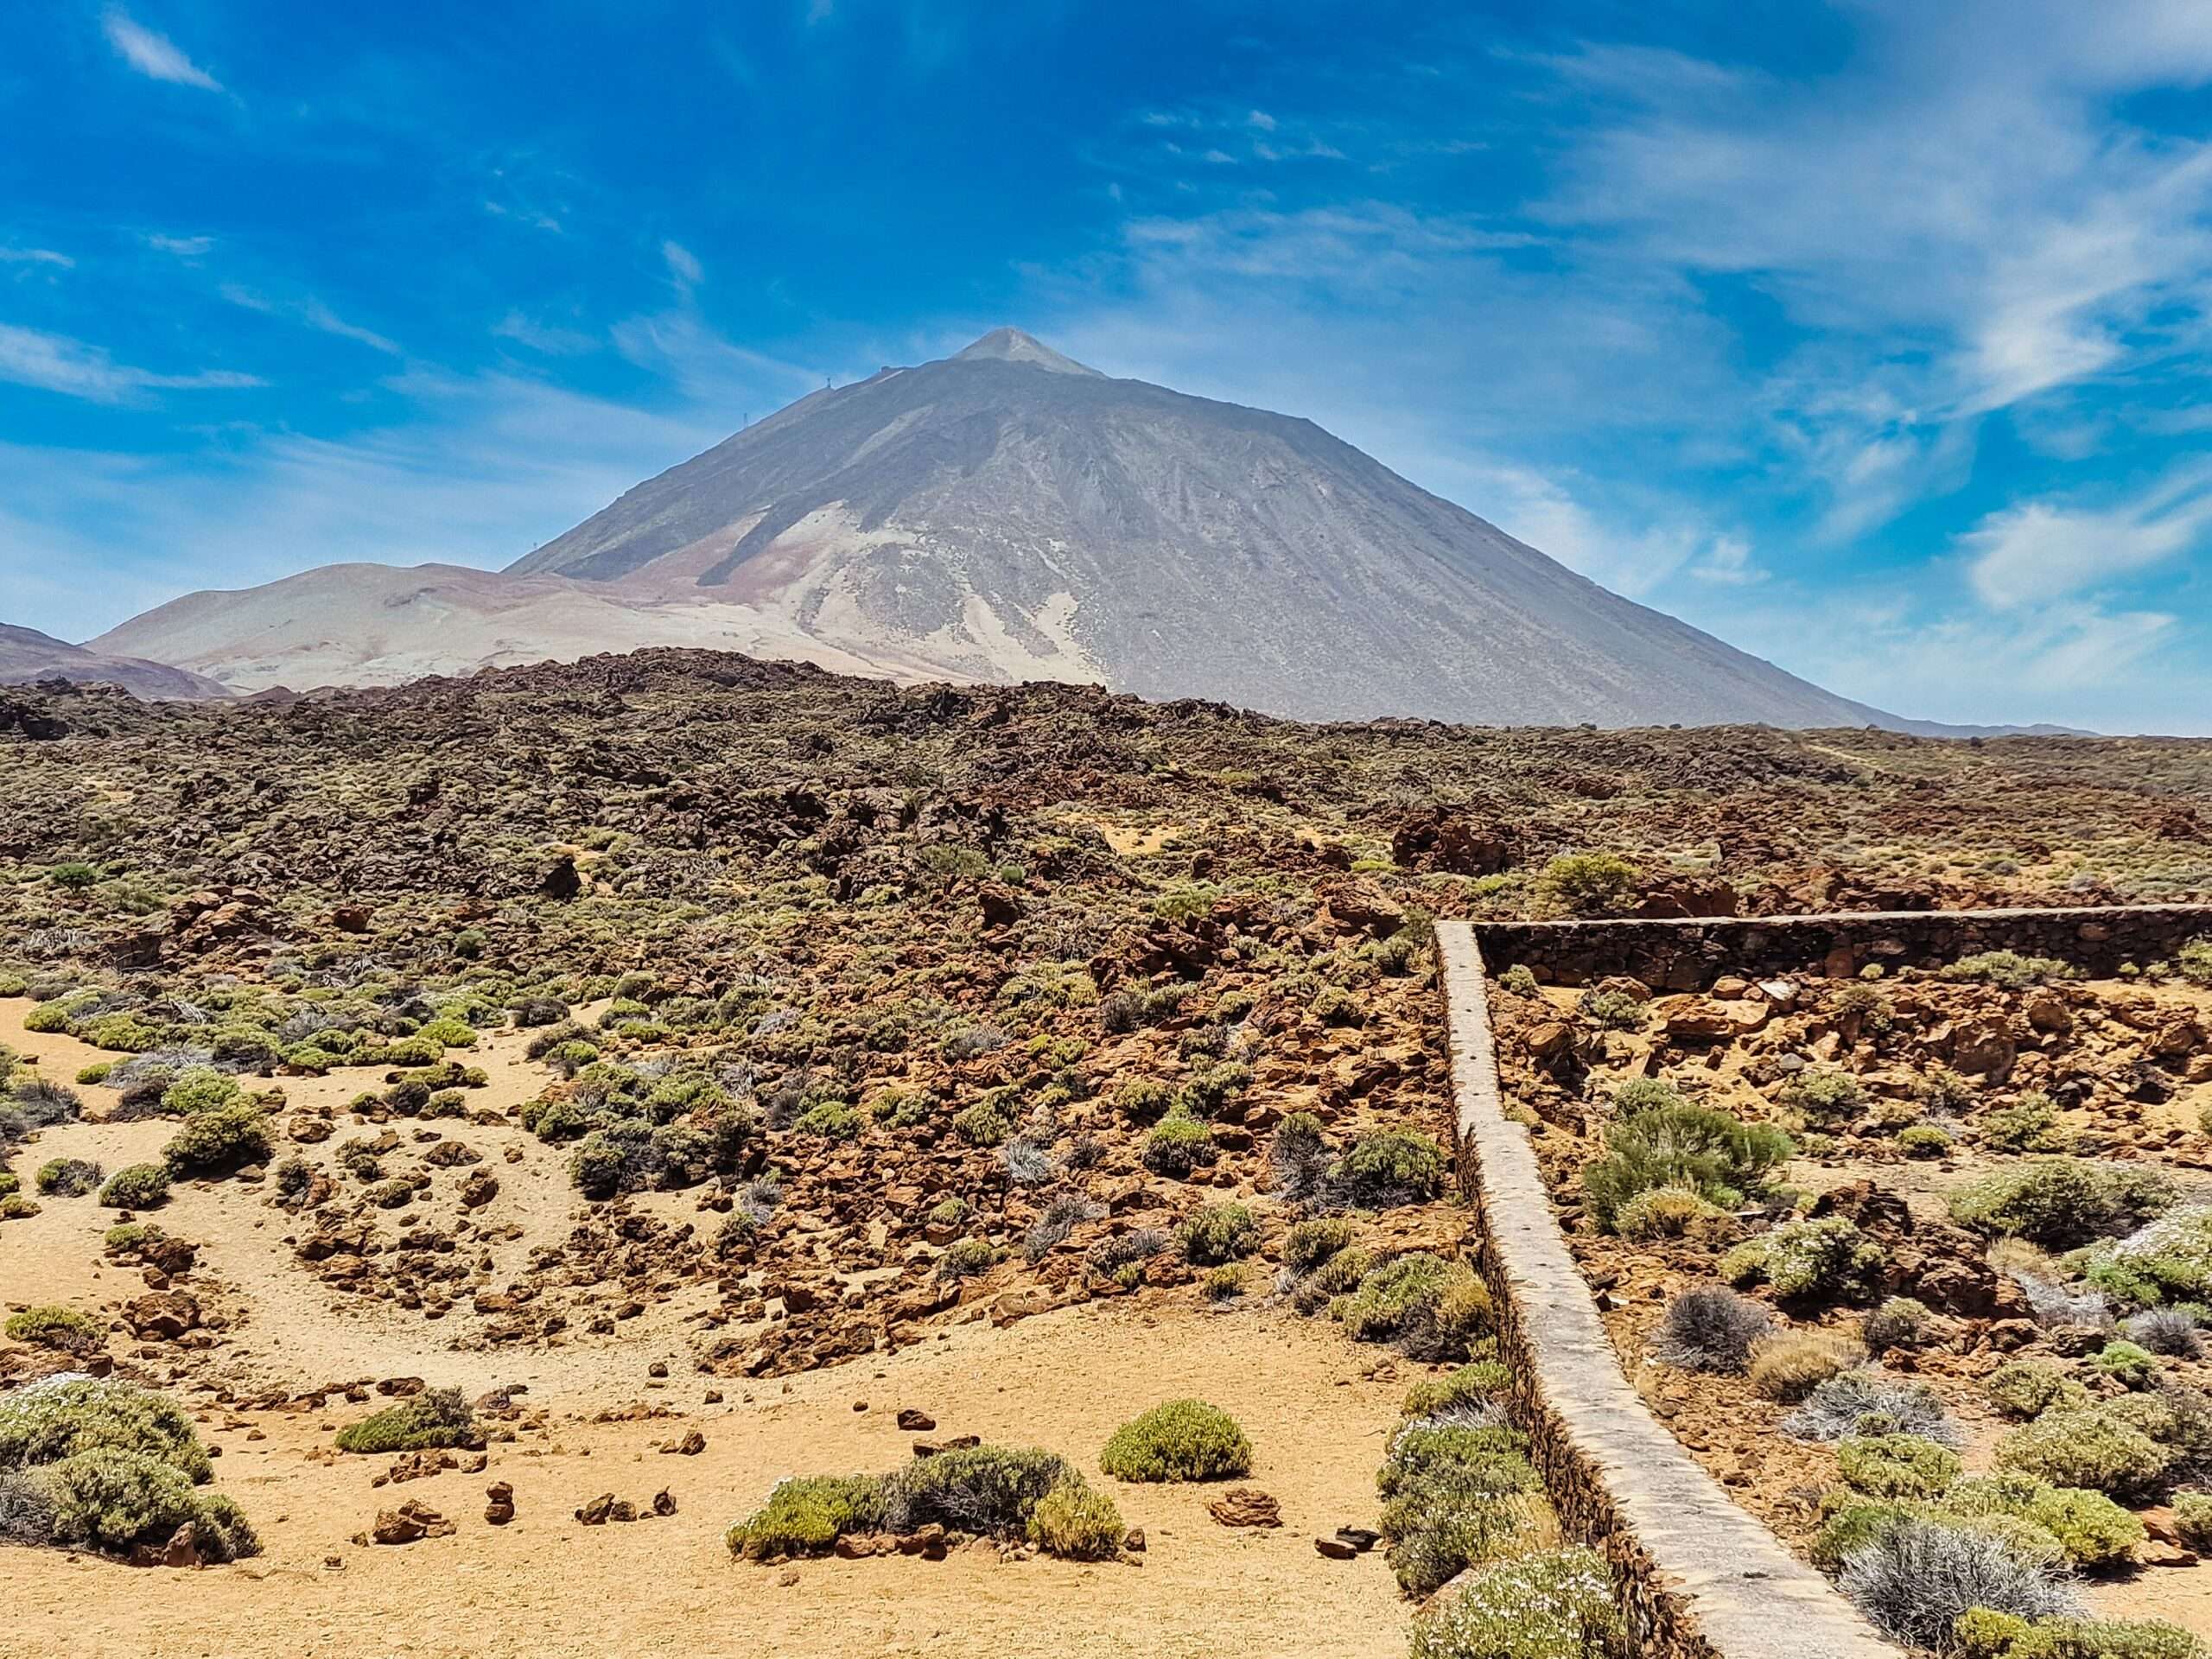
(26, 655)
(1008, 514)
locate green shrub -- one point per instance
(1986, 1633)
(2125, 1363)
(109, 1499)
(1223, 1283)
(1824, 1095)
(829, 1120)
(448, 1034)
(2007, 969)
(2169, 1259)
(1309, 1244)
(1390, 1167)
(1897, 1465)
(200, 1090)
(2028, 1388)
(2088, 1447)
(218, 1140)
(2028, 1124)
(1720, 1157)
(67, 1177)
(435, 1417)
(1825, 1260)
(2057, 1201)
(137, 1186)
(2193, 1521)
(1613, 1010)
(985, 1124)
(1177, 1145)
(1413, 1294)
(1436, 1534)
(1075, 1520)
(965, 1258)
(1182, 1441)
(1492, 1458)
(1923, 1140)
(2090, 1527)
(1556, 1605)
(1663, 1212)
(806, 1516)
(52, 1419)
(983, 1489)
(51, 1326)
(1478, 1380)
(1588, 884)
(1219, 1233)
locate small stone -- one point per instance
(1132, 1540)
(1246, 1506)
(1360, 1538)
(1335, 1549)
(664, 1502)
(916, 1421)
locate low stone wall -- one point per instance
(1689, 953)
(1702, 1579)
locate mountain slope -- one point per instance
(1008, 513)
(27, 655)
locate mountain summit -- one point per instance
(1008, 513)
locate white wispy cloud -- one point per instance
(29, 357)
(36, 257)
(2039, 550)
(309, 312)
(183, 247)
(550, 338)
(683, 264)
(153, 54)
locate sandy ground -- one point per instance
(547, 1585)
(1316, 1406)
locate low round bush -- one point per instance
(1076, 1522)
(1914, 1580)
(2085, 1446)
(1183, 1439)
(806, 1516)
(1177, 1145)
(2059, 1202)
(1556, 1605)
(1711, 1328)
(2028, 1388)
(1391, 1166)
(1897, 1465)
(1309, 1244)
(1219, 1233)
(67, 1177)
(51, 1326)
(221, 1139)
(435, 1417)
(45, 1422)
(965, 1258)
(137, 1186)
(113, 1499)
(1477, 1381)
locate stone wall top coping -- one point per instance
(1830, 918)
(1739, 1591)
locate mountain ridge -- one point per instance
(1008, 513)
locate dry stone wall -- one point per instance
(1702, 1579)
(1689, 953)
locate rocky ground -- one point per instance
(639, 1040)
(1947, 1084)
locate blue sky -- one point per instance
(1871, 336)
